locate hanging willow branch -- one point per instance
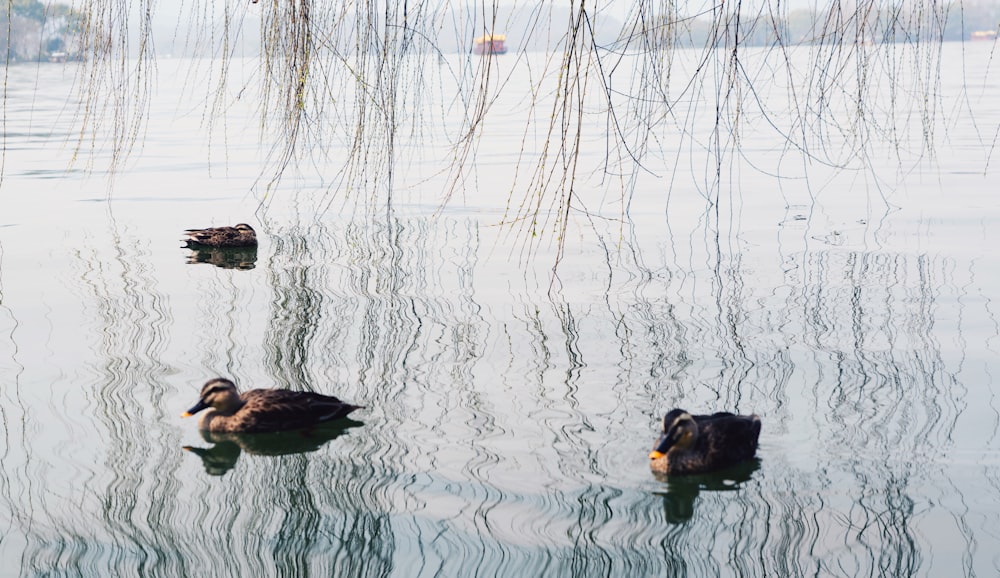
(356, 76)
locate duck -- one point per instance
(239, 235)
(263, 410)
(697, 444)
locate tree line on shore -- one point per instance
(36, 31)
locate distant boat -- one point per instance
(489, 44)
(984, 35)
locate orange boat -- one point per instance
(489, 44)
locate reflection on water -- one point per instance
(242, 258)
(508, 413)
(507, 426)
(681, 491)
(227, 447)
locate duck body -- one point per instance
(240, 235)
(263, 410)
(696, 444)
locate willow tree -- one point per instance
(357, 73)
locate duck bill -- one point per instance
(195, 409)
(662, 445)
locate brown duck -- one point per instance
(241, 235)
(695, 444)
(263, 410)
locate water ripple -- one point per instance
(506, 422)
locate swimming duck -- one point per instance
(263, 410)
(695, 444)
(240, 235)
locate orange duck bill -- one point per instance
(662, 446)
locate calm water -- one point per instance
(508, 413)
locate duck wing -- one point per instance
(212, 236)
(730, 438)
(282, 409)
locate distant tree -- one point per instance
(32, 26)
(55, 44)
(31, 9)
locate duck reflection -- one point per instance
(681, 491)
(243, 258)
(222, 456)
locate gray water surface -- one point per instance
(508, 412)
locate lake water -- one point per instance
(509, 412)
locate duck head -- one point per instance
(679, 431)
(219, 394)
